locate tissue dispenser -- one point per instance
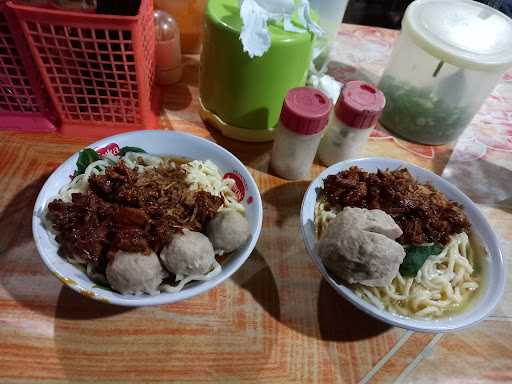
(243, 96)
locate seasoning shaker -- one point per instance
(357, 110)
(168, 50)
(304, 115)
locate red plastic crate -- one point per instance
(99, 69)
(24, 104)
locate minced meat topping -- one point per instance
(129, 211)
(424, 214)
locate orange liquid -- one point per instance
(189, 15)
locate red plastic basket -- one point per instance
(24, 104)
(99, 69)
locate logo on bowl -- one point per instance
(240, 185)
(112, 148)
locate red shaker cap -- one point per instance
(360, 104)
(305, 110)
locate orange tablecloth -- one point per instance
(276, 320)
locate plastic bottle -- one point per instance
(189, 15)
(304, 116)
(168, 50)
(330, 14)
(357, 110)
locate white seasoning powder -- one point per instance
(293, 153)
(303, 118)
(342, 142)
(357, 110)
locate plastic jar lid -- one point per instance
(360, 104)
(461, 32)
(305, 110)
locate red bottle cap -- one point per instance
(360, 104)
(305, 110)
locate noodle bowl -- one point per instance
(197, 175)
(165, 144)
(488, 264)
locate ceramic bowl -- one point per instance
(162, 143)
(493, 269)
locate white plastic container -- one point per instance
(357, 110)
(303, 118)
(164, 143)
(447, 60)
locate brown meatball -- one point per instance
(357, 248)
(228, 230)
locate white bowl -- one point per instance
(493, 269)
(159, 143)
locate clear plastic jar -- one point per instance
(330, 14)
(357, 110)
(304, 116)
(447, 60)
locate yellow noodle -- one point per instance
(443, 283)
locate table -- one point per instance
(275, 320)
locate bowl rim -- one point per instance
(436, 325)
(164, 297)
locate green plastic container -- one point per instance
(243, 96)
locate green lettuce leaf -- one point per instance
(123, 151)
(86, 157)
(415, 257)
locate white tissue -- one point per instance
(329, 85)
(256, 14)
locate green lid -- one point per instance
(227, 14)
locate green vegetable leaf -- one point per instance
(415, 257)
(86, 157)
(123, 151)
(418, 112)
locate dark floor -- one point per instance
(388, 13)
(381, 13)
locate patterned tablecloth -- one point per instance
(275, 320)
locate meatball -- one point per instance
(228, 230)
(356, 247)
(132, 273)
(373, 220)
(188, 253)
